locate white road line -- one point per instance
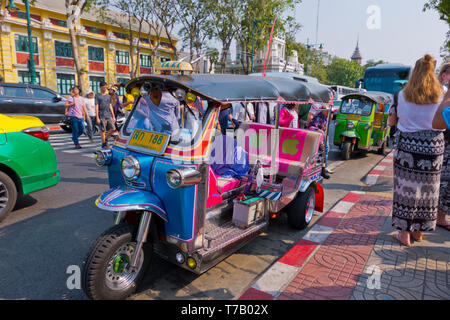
(82, 150)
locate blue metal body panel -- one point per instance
(151, 192)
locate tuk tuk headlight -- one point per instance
(103, 157)
(350, 126)
(183, 177)
(130, 167)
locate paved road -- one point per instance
(53, 229)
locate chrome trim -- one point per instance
(119, 217)
(188, 177)
(200, 212)
(136, 165)
(141, 237)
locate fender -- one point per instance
(127, 199)
(320, 196)
(349, 134)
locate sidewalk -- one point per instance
(349, 254)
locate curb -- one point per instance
(273, 282)
(372, 177)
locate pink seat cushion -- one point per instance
(227, 184)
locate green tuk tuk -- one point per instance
(361, 123)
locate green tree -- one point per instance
(224, 22)
(74, 10)
(443, 8)
(373, 63)
(193, 16)
(255, 25)
(344, 72)
(213, 56)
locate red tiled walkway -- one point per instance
(333, 271)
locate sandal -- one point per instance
(396, 236)
(417, 239)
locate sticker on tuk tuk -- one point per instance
(148, 141)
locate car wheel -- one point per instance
(8, 195)
(66, 128)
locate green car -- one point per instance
(27, 160)
(361, 123)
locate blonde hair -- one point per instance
(423, 86)
(445, 68)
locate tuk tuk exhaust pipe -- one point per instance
(141, 237)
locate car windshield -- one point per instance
(182, 122)
(360, 106)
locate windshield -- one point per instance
(385, 80)
(361, 106)
(182, 122)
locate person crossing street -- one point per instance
(104, 113)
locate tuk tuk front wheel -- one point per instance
(347, 149)
(106, 273)
(301, 210)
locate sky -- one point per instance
(396, 31)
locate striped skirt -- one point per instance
(417, 175)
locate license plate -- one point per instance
(148, 141)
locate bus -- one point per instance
(385, 78)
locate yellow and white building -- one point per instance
(104, 49)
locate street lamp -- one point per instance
(308, 47)
(255, 22)
(11, 7)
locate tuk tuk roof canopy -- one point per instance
(376, 96)
(176, 66)
(241, 88)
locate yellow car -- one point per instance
(27, 160)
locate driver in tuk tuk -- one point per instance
(159, 111)
(317, 121)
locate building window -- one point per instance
(121, 35)
(122, 57)
(146, 61)
(95, 30)
(22, 43)
(63, 49)
(23, 15)
(121, 91)
(59, 23)
(25, 77)
(96, 54)
(64, 83)
(164, 59)
(145, 40)
(94, 83)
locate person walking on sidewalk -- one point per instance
(444, 193)
(419, 154)
(91, 118)
(78, 114)
(104, 113)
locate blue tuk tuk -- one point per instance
(181, 189)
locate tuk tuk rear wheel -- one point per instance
(301, 210)
(347, 150)
(106, 275)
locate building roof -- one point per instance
(357, 54)
(92, 15)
